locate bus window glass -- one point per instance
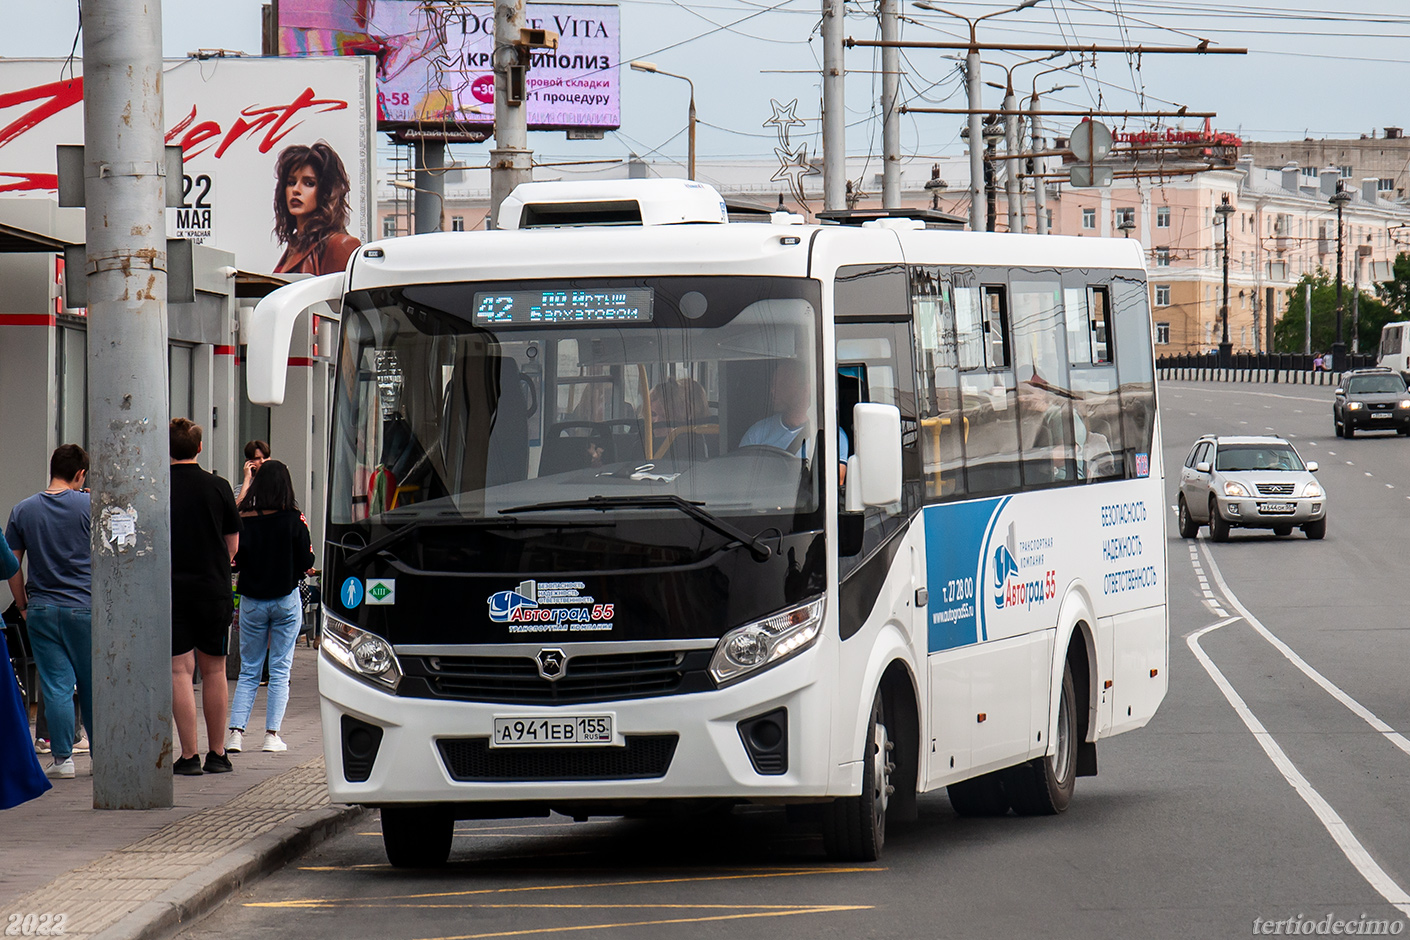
(1101, 331)
(1044, 398)
(1096, 409)
(989, 396)
(444, 408)
(941, 422)
(1135, 370)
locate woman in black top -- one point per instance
(275, 551)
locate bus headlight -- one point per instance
(764, 643)
(365, 655)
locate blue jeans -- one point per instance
(273, 625)
(62, 638)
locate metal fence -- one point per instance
(1285, 368)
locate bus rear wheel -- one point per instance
(1043, 786)
(854, 827)
(417, 836)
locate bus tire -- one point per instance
(416, 836)
(1043, 786)
(1189, 528)
(979, 796)
(1218, 526)
(854, 827)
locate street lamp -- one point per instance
(1226, 348)
(973, 86)
(651, 67)
(1339, 199)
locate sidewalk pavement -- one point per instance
(146, 873)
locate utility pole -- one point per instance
(125, 220)
(991, 212)
(430, 157)
(1011, 167)
(834, 108)
(978, 167)
(1307, 319)
(1040, 188)
(511, 160)
(890, 116)
(1356, 303)
(1339, 199)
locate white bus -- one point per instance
(1395, 348)
(591, 547)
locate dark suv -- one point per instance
(1371, 400)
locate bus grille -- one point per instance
(644, 756)
(586, 678)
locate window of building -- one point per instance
(1385, 185)
(1346, 171)
(1162, 295)
(389, 227)
(1125, 215)
(1050, 218)
(1310, 171)
(1162, 257)
(1162, 334)
(1162, 217)
(457, 223)
(1089, 218)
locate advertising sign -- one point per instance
(435, 74)
(234, 119)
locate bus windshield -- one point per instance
(463, 400)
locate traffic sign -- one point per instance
(1087, 176)
(1090, 141)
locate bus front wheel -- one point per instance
(854, 827)
(416, 836)
(1043, 786)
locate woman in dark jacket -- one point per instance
(275, 551)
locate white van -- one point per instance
(1395, 347)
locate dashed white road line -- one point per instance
(1336, 827)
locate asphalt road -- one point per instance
(1195, 826)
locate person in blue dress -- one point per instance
(21, 777)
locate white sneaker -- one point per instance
(234, 740)
(272, 742)
(62, 770)
(81, 745)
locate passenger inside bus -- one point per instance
(681, 425)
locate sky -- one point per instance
(1308, 73)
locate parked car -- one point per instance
(1371, 400)
(1252, 483)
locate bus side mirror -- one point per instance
(874, 469)
(270, 328)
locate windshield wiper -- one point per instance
(396, 535)
(695, 510)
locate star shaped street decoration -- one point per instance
(793, 166)
(784, 118)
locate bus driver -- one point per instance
(787, 429)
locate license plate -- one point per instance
(1381, 414)
(535, 731)
(1273, 508)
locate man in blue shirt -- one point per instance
(51, 529)
(787, 428)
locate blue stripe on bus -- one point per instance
(956, 538)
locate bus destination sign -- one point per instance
(532, 307)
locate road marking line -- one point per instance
(1355, 707)
(819, 909)
(1336, 827)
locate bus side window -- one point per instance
(943, 426)
(1135, 371)
(1096, 407)
(1049, 436)
(988, 391)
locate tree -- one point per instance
(1289, 332)
(1396, 292)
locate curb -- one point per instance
(201, 892)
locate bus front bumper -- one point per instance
(436, 751)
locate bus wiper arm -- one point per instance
(386, 541)
(695, 510)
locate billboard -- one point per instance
(233, 118)
(435, 74)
